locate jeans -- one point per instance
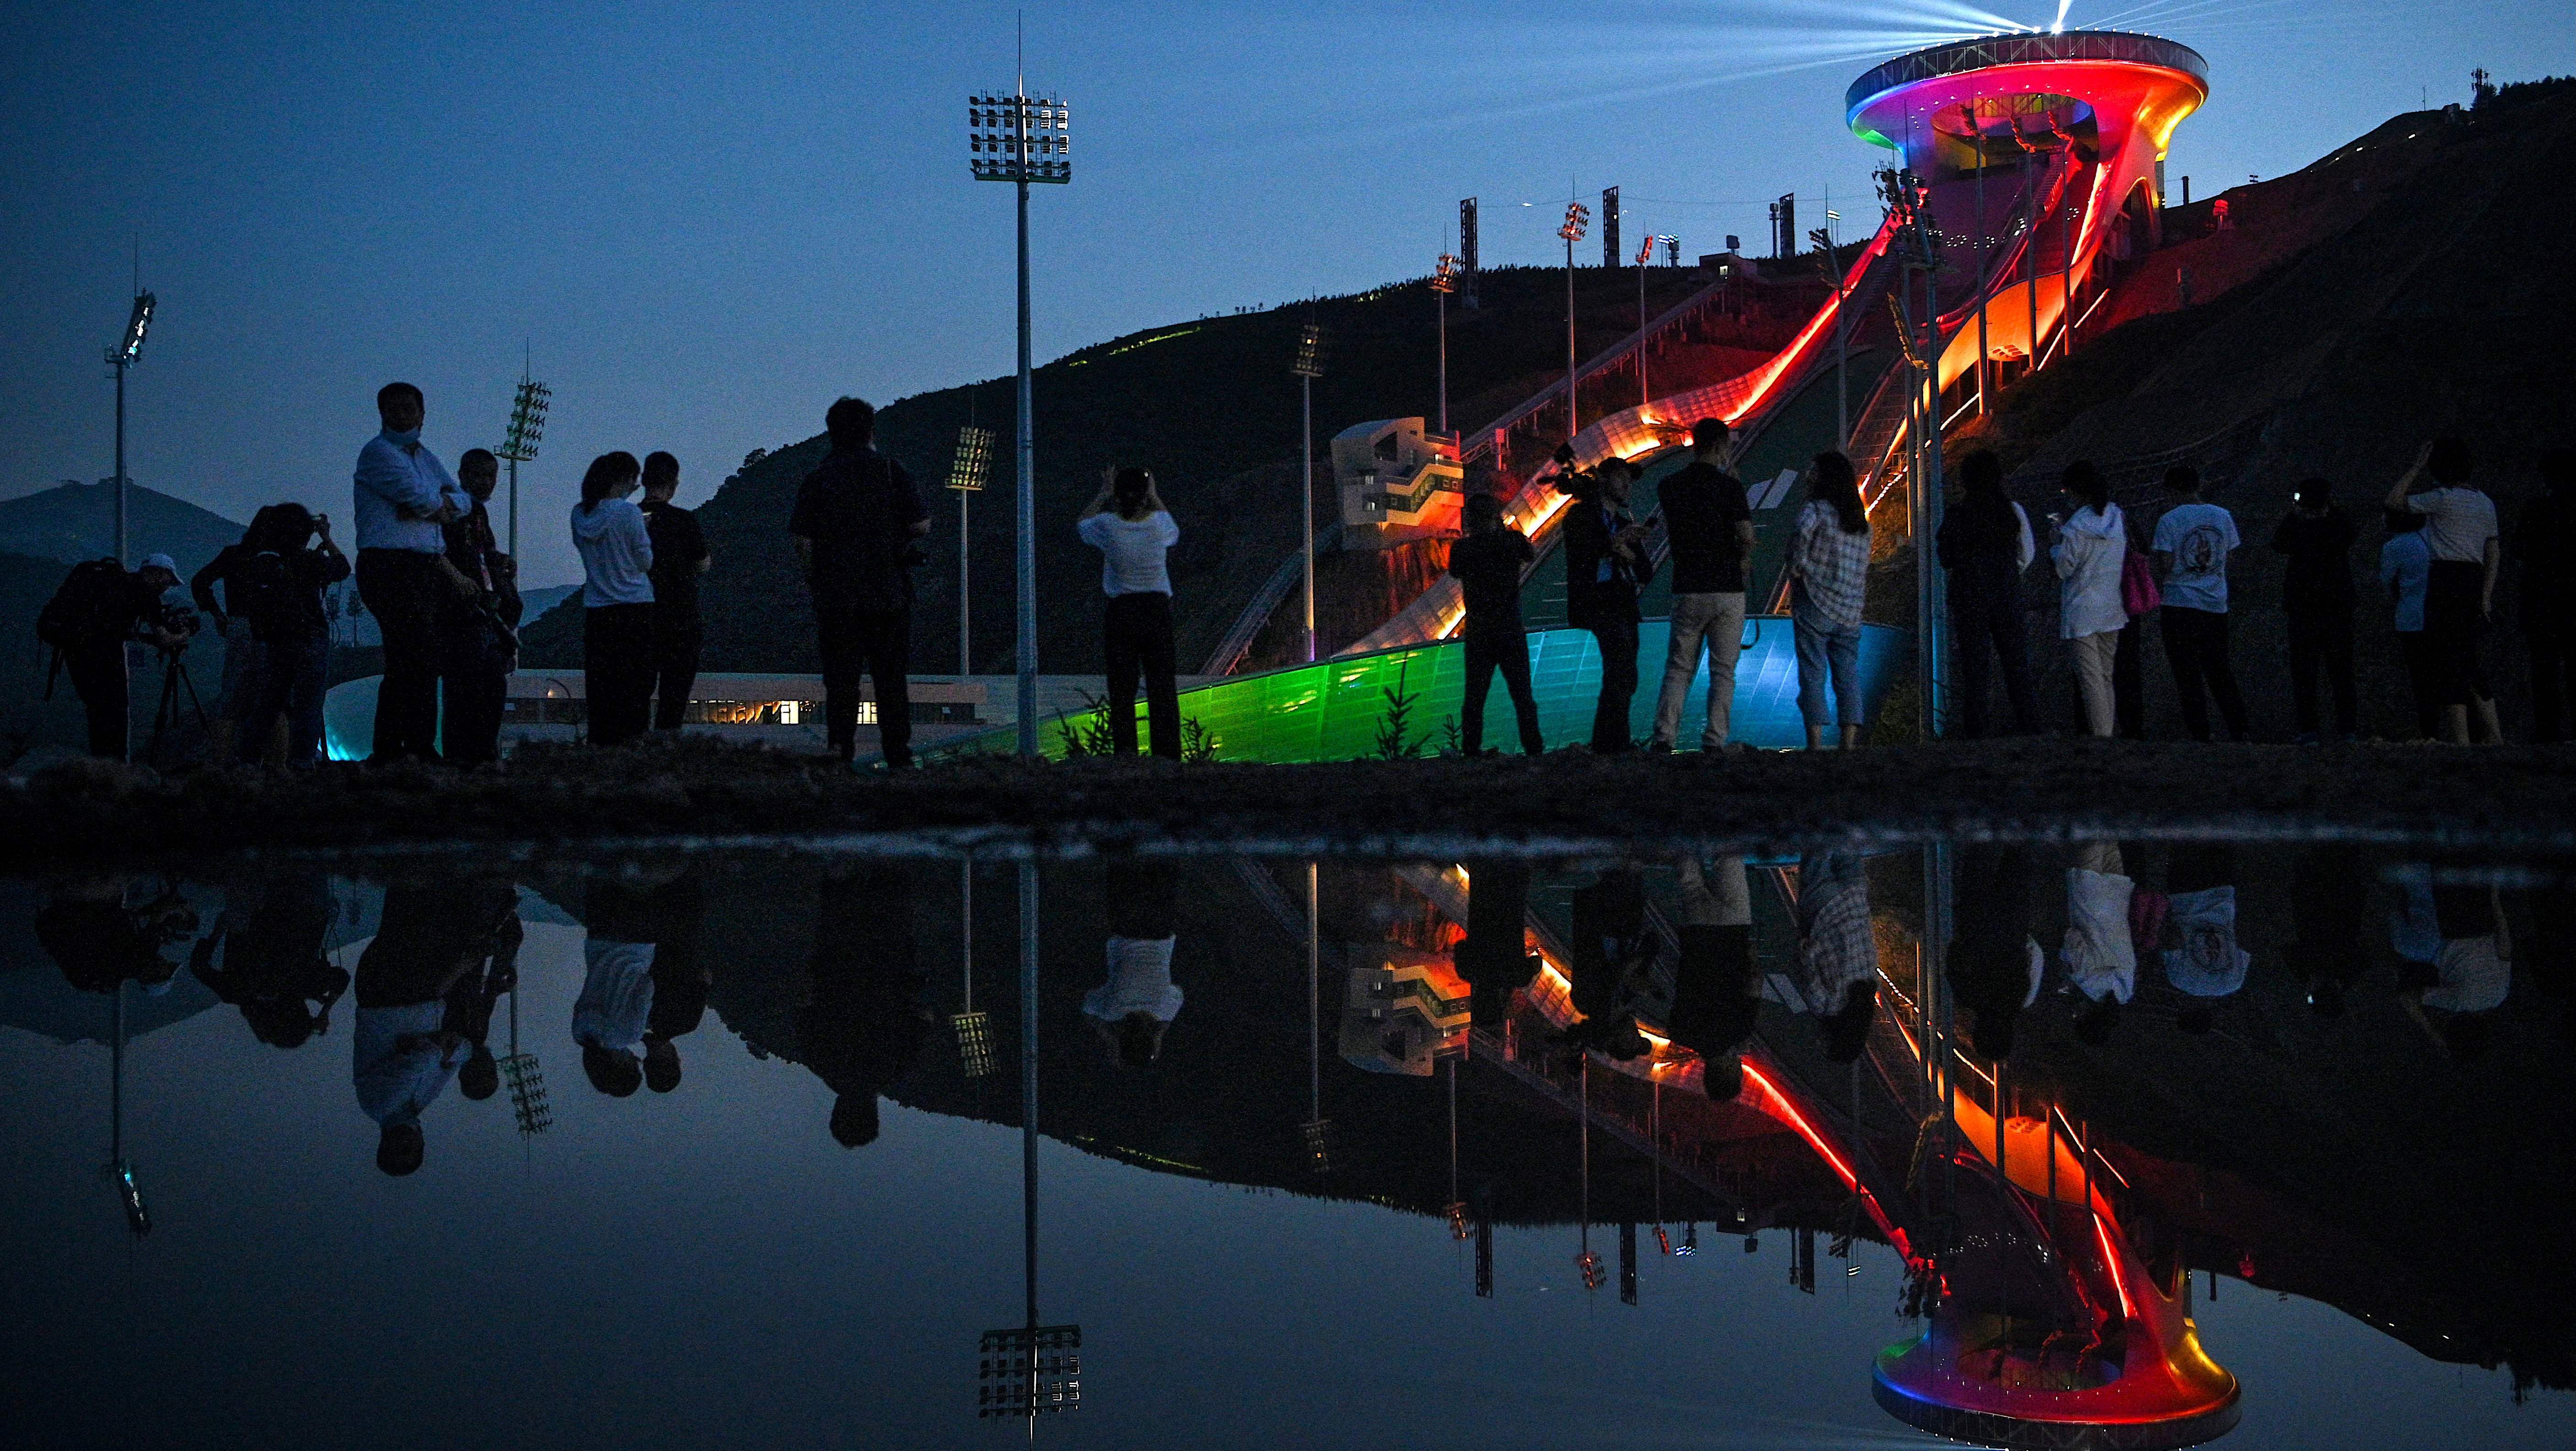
(1717, 620)
(2095, 657)
(2196, 647)
(2322, 639)
(1506, 650)
(1980, 621)
(401, 588)
(292, 678)
(617, 666)
(1138, 638)
(880, 642)
(677, 639)
(1827, 648)
(1617, 640)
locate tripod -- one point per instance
(175, 682)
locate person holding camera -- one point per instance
(1605, 564)
(404, 496)
(99, 607)
(273, 582)
(855, 522)
(1127, 523)
(478, 633)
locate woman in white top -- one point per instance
(2089, 552)
(617, 598)
(1127, 523)
(2459, 592)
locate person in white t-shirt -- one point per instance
(1127, 523)
(1132, 1009)
(2205, 964)
(2459, 590)
(2458, 952)
(2100, 955)
(2192, 543)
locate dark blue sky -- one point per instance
(711, 219)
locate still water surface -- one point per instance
(686, 1150)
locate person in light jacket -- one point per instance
(616, 547)
(2088, 554)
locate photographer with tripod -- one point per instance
(99, 609)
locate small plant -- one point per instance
(1198, 746)
(1394, 727)
(1086, 734)
(1452, 742)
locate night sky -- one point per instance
(709, 220)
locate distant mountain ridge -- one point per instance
(73, 522)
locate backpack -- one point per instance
(260, 590)
(85, 607)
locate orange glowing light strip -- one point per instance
(2111, 1263)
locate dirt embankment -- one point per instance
(1570, 802)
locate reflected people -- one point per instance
(864, 1022)
(1136, 1005)
(1837, 951)
(1610, 940)
(1494, 957)
(272, 962)
(1716, 997)
(2100, 955)
(652, 984)
(2325, 944)
(101, 932)
(415, 1008)
(2204, 964)
(2457, 952)
(1995, 964)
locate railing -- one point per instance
(2028, 48)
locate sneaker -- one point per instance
(1659, 748)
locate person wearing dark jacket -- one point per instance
(1985, 543)
(273, 585)
(1995, 962)
(2317, 594)
(241, 648)
(1494, 957)
(1710, 523)
(855, 522)
(2548, 597)
(274, 966)
(864, 1024)
(1487, 564)
(679, 557)
(1605, 563)
(479, 620)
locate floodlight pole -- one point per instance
(120, 360)
(1306, 515)
(1443, 295)
(1576, 215)
(965, 656)
(1027, 562)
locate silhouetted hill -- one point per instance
(73, 522)
(1208, 404)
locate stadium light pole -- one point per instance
(1577, 215)
(1645, 254)
(121, 357)
(519, 445)
(967, 469)
(1444, 280)
(1309, 367)
(1021, 139)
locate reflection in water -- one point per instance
(1833, 1051)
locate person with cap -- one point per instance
(2317, 537)
(99, 608)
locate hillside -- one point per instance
(73, 522)
(2403, 286)
(1208, 404)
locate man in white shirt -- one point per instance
(2192, 543)
(2459, 589)
(1127, 523)
(404, 497)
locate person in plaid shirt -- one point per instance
(1829, 570)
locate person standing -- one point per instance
(2459, 594)
(1487, 564)
(1985, 543)
(1710, 524)
(97, 609)
(2100, 954)
(1135, 1005)
(241, 648)
(2192, 542)
(404, 496)
(617, 600)
(2405, 570)
(481, 637)
(1837, 975)
(679, 557)
(2089, 550)
(277, 590)
(1829, 584)
(1717, 997)
(855, 522)
(1127, 523)
(1605, 562)
(2548, 595)
(2317, 593)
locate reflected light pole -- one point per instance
(1022, 139)
(967, 470)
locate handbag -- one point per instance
(2138, 592)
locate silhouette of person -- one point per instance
(1494, 956)
(1136, 1005)
(471, 1000)
(2206, 964)
(434, 932)
(1837, 951)
(863, 1025)
(274, 967)
(674, 913)
(1995, 964)
(1716, 997)
(99, 938)
(2101, 956)
(2458, 952)
(1609, 937)
(615, 1008)
(2325, 949)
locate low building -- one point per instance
(1396, 483)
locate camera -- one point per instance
(181, 621)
